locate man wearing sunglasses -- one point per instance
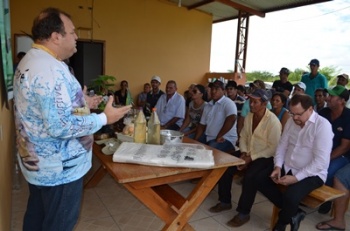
(314, 79)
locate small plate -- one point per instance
(111, 147)
(124, 138)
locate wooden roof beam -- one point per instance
(242, 8)
(199, 4)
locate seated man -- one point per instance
(338, 115)
(343, 80)
(341, 182)
(258, 141)
(299, 88)
(171, 107)
(153, 95)
(283, 85)
(320, 99)
(217, 127)
(257, 84)
(301, 162)
(231, 92)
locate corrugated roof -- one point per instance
(224, 10)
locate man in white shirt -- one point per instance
(301, 161)
(217, 127)
(171, 107)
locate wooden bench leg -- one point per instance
(274, 217)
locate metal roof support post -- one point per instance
(241, 42)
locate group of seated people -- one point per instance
(300, 141)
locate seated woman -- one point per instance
(141, 101)
(278, 101)
(121, 95)
(194, 112)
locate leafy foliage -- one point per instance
(102, 84)
(262, 75)
(330, 73)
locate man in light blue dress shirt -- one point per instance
(171, 107)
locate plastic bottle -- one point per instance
(154, 128)
(129, 99)
(140, 128)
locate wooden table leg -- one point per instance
(96, 178)
(169, 205)
(196, 197)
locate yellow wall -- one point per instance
(6, 163)
(143, 37)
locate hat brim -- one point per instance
(342, 76)
(254, 96)
(331, 92)
(253, 85)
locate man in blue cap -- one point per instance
(259, 139)
(314, 79)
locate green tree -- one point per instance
(262, 75)
(295, 76)
(330, 72)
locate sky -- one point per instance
(288, 38)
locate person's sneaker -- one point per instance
(219, 207)
(325, 207)
(238, 220)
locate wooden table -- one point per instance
(150, 184)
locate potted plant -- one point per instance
(101, 86)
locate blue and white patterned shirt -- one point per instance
(54, 126)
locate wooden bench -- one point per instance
(313, 200)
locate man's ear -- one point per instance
(55, 37)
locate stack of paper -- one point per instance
(169, 154)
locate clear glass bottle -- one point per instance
(140, 128)
(153, 128)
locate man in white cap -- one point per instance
(314, 79)
(342, 79)
(299, 88)
(153, 96)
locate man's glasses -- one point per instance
(194, 91)
(229, 88)
(297, 114)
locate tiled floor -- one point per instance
(110, 207)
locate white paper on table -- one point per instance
(168, 154)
